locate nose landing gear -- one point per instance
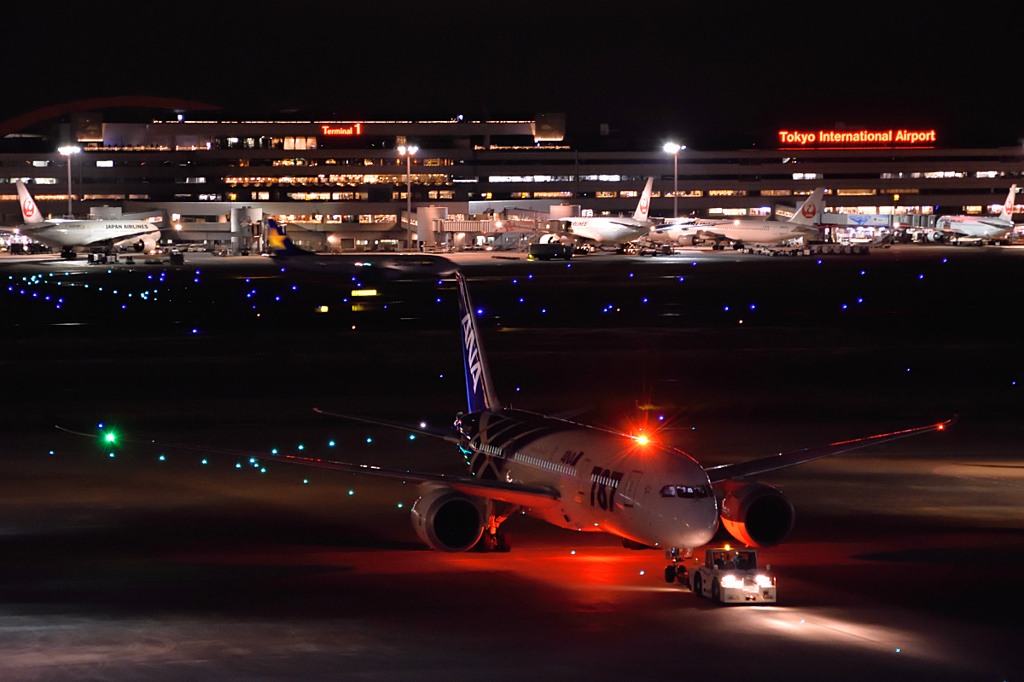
(674, 571)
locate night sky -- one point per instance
(728, 75)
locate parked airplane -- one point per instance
(604, 230)
(582, 478)
(996, 229)
(70, 233)
(368, 266)
(740, 232)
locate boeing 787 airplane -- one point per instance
(583, 478)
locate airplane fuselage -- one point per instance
(748, 232)
(970, 226)
(68, 234)
(607, 230)
(608, 482)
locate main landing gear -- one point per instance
(68, 254)
(493, 540)
(674, 571)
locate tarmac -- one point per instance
(200, 565)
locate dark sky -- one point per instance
(651, 69)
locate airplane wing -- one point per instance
(753, 467)
(535, 497)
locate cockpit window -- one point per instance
(687, 491)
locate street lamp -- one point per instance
(674, 149)
(408, 151)
(68, 151)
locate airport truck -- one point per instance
(732, 576)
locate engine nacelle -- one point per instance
(686, 240)
(936, 237)
(756, 514)
(447, 520)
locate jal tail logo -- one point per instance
(472, 354)
(644, 203)
(809, 210)
(29, 207)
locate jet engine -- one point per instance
(756, 514)
(936, 236)
(686, 240)
(447, 520)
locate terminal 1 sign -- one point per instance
(836, 138)
(341, 130)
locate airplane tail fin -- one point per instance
(1011, 198)
(29, 211)
(279, 241)
(810, 210)
(479, 388)
(644, 206)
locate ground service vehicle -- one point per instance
(731, 576)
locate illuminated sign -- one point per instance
(354, 129)
(880, 137)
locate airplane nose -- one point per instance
(702, 526)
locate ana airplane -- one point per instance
(996, 229)
(70, 233)
(582, 478)
(605, 230)
(367, 266)
(740, 232)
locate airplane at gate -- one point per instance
(605, 230)
(978, 227)
(71, 233)
(740, 232)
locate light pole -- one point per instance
(674, 149)
(68, 151)
(408, 151)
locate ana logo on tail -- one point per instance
(472, 354)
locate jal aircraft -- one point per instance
(605, 230)
(581, 478)
(991, 229)
(70, 233)
(740, 232)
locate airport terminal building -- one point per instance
(343, 184)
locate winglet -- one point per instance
(480, 393)
(29, 211)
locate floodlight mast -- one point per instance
(674, 148)
(69, 151)
(408, 151)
